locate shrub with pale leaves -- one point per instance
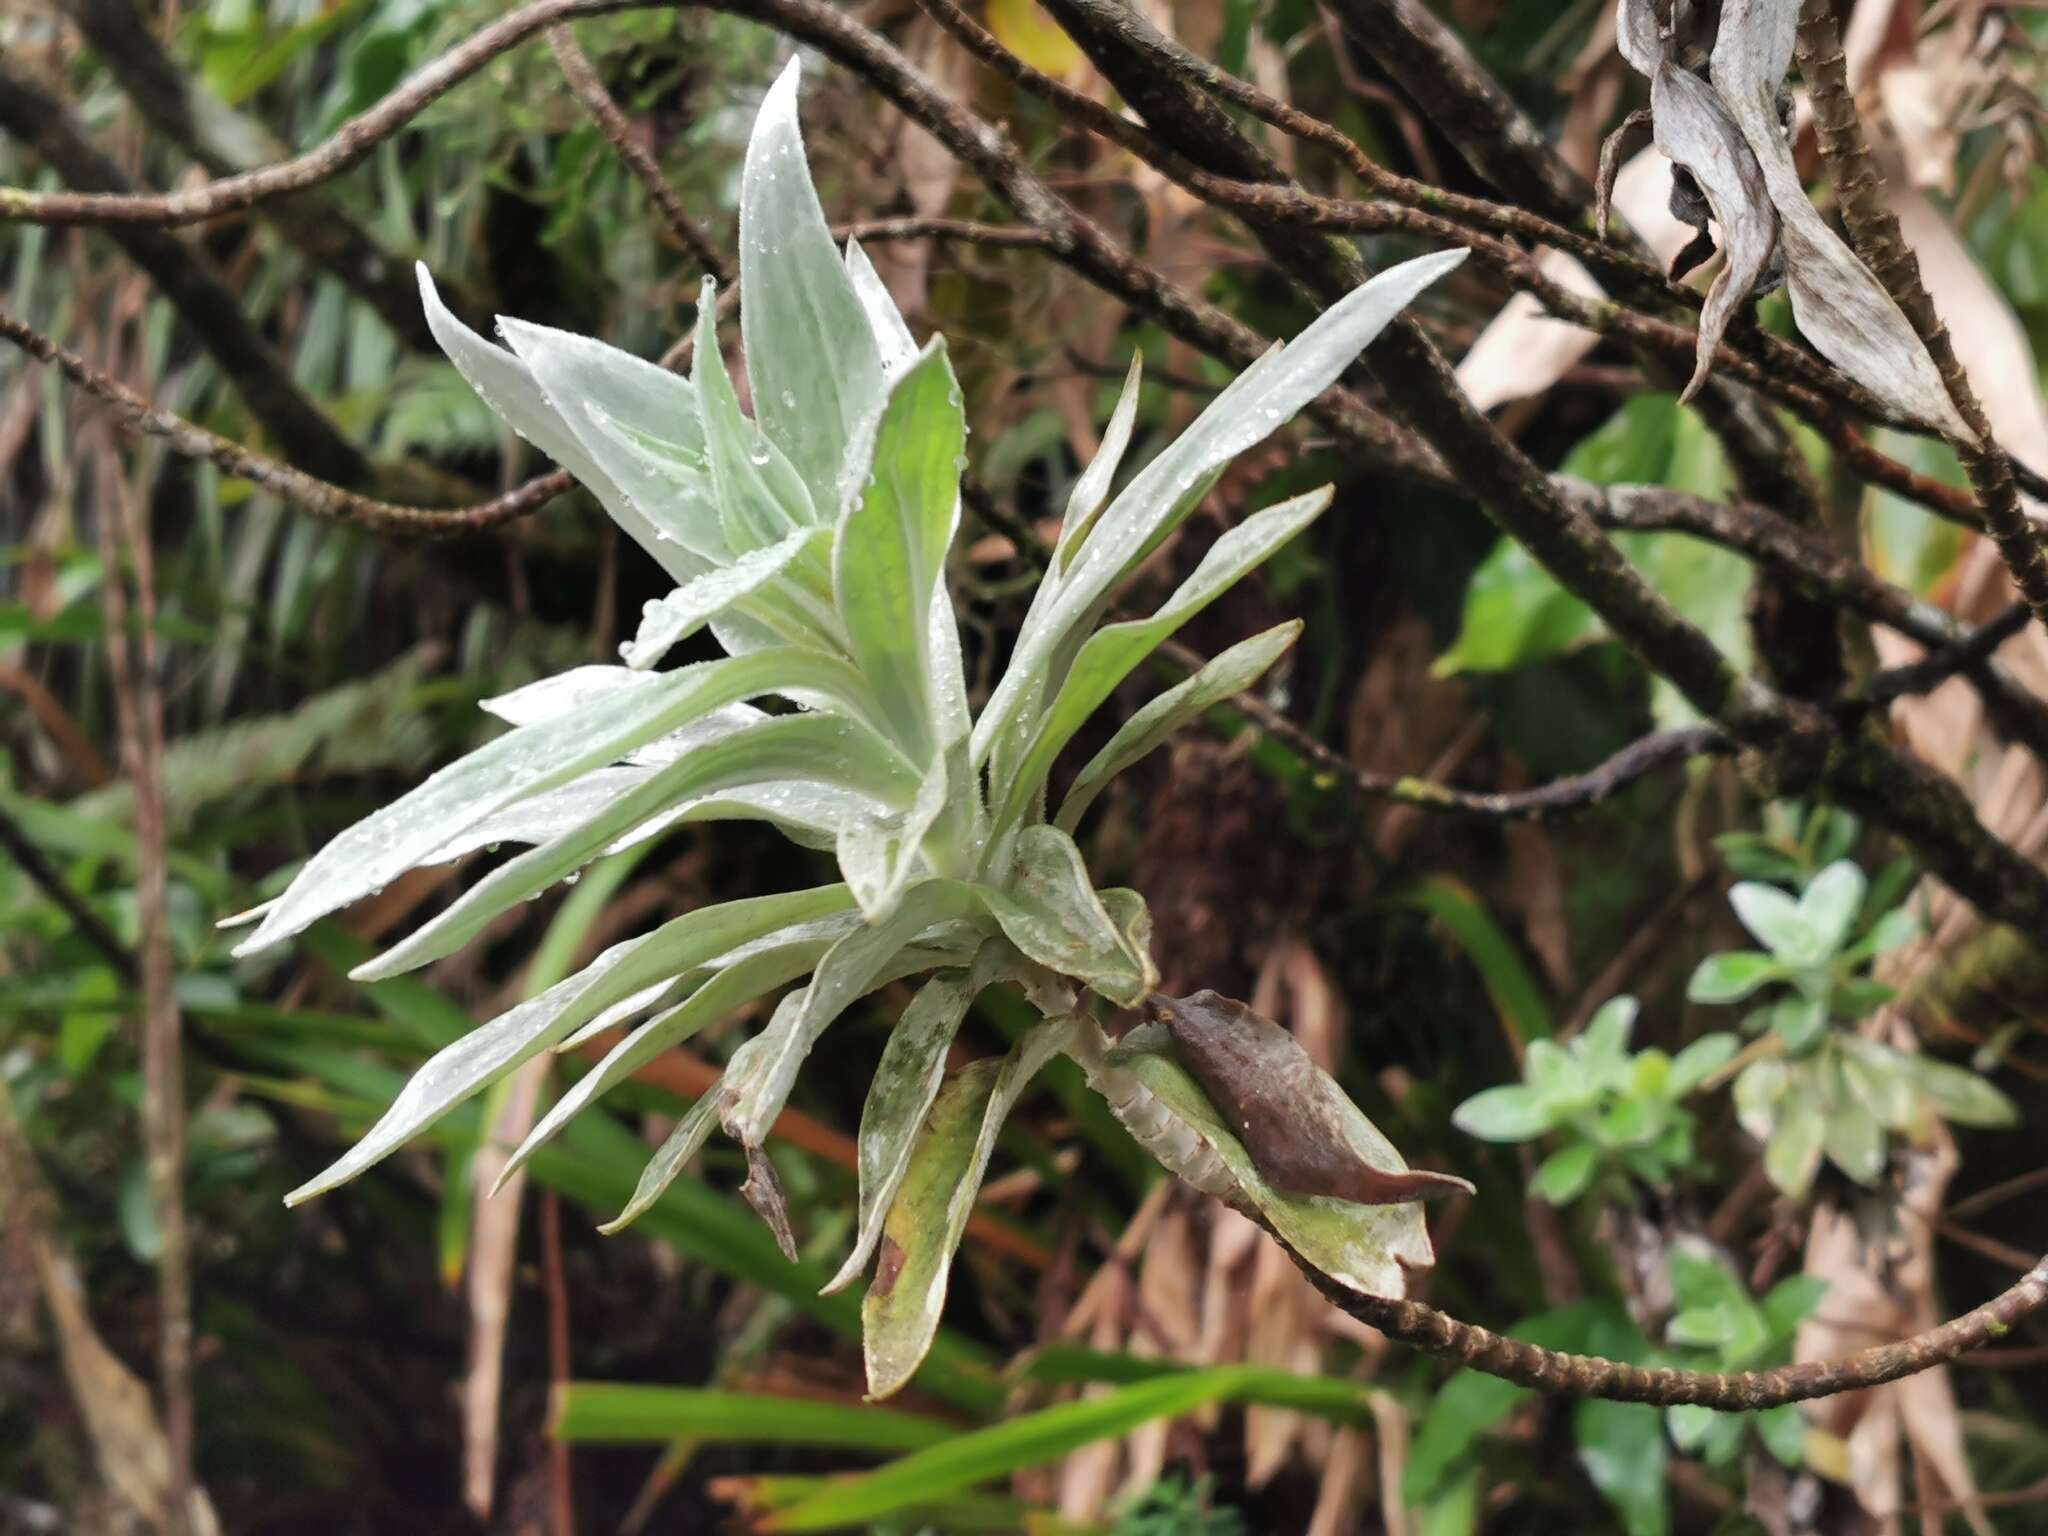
(812, 541)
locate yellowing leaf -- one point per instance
(1023, 27)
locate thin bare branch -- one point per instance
(618, 132)
(1568, 1375)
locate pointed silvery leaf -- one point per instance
(676, 1150)
(1695, 131)
(948, 670)
(901, 1092)
(658, 995)
(673, 619)
(1112, 652)
(610, 399)
(1051, 912)
(507, 386)
(714, 725)
(1362, 1246)
(879, 854)
(811, 351)
(1224, 677)
(1091, 490)
(734, 987)
(848, 970)
(890, 546)
(762, 498)
(516, 1036)
(777, 747)
(539, 702)
(893, 341)
(936, 1194)
(1256, 405)
(1839, 305)
(521, 763)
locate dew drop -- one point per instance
(789, 399)
(758, 453)
(572, 877)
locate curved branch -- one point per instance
(45, 122)
(611, 122)
(1568, 1375)
(297, 489)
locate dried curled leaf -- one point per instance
(1696, 132)
(1297, 1124)
(1367, 1247)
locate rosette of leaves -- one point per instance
(1619, 1114)
(1723, 1328)
(811, 540)
(1818, 1089)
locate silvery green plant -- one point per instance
(1618, 1115)
(811, 540)
(1815, 1087)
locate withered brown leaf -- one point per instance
(1287, 1112)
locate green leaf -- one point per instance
(671, 620)
(1879, 1077)
(1603, 1044)
(1621, 1446)
(1790, 1302)
(490, 1051)
(1799, 1022)
(1700, 1061)
(508, 387)
(1713, 1327)
(1091, 488)
(1110, 654)
(811, 351)
(1052, 912)
(935, 1195)
(851, 967)
(1854, 1141)
(775, 747)
(681, 1144)
(1028, 1440)
(521, 763)
(1783, 1432)
(1779, 923)
(1250, 409)
(1958, 1094)
(636, 420)
(1512, 1112)
(1830, 904)
(1792, 1155)
(761, 496)
(880, 850)
(1460, 1413)
(892, 336)
(1759, 1087)
(763, 967)
(1223, 677)
(630, 1413)
(1516, 997)
(901, 1092)
(1732, 976)
(890, 548)
(1894, 930)
(1566, 1175)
